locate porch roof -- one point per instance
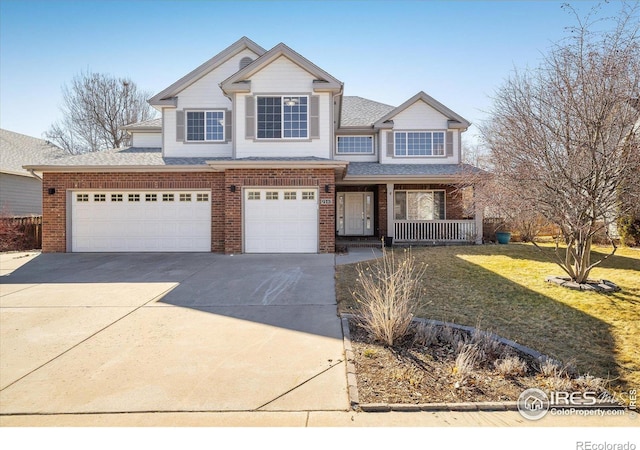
(360, 170)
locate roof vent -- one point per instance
(244, 62)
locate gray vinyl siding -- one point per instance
(20, 196)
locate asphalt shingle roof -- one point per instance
(131, 156)
(147, 124)
(361, 112)
(377, 169)
(139, 156)
(17, 150)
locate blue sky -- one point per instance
(459, 52)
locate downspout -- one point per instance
(33, 173)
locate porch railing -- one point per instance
(435, 230)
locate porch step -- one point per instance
(342, 245)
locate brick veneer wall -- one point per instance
(278, 178)
(226, 206)
(54, 207)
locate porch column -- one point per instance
(479, 218)
(391, 229)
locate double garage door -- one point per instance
(141, 221)
(274, 221)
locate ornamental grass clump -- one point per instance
(388, 293)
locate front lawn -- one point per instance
(502, 288)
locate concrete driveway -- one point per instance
(101, 333)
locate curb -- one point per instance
(352, 384)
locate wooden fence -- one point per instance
(20, 233)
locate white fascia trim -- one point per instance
(16, 173)
(223, 165)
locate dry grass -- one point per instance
(503, 288)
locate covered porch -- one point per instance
(425, 210)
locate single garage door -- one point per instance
(141, 221)
(280, 220)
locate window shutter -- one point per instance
(389, 143)
(314, 117)
(249, 117)
(227, 125)
(449, 143)
(180, 126)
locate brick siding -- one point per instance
(226, 206)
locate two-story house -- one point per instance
(260, 152)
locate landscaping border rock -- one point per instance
(591, 285)
(352, 382)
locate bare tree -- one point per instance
(563, 137)
(95, 107)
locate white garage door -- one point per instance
(281, 220)
(141, 221)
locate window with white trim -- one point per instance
(185, 197)
(203, 126)
(308, 195)
(134, 197)
(167, 197)
(202, 197)
(419, 143)
(283, 117)
(99, 197)
(82, 197)
(271, 195)
(151, 197)
(419, 205)
(290, 195)
(253, 195)
(354, 144)
(116, 197)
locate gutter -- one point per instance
(103, 169)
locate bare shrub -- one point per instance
(511, 366)
(469, 357)
(426, 334)
(550, 368)
(559, 383)
(590, 383)
(454, 337)
(388, 295)
(12, 235)
(487, 342)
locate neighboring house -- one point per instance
(20, 189)
(260, 152)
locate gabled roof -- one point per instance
(455, 120)
(166, 97)
(240, 81)
(361, 112)
(147, 125)
(17, 150)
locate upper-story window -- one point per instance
(283, 117)
(205, 125)
(355, 144)
(419, 143)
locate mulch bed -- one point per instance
(410, 373)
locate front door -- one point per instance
(355, 213)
